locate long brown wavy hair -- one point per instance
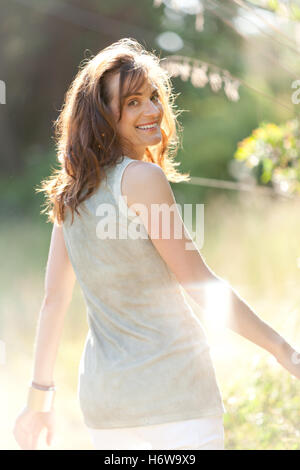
(85, 134)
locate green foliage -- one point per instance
(289, 9)
(264, 413)
(17, 192)
(271, 154)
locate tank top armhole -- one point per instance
(117, 191)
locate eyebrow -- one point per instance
(137, 93)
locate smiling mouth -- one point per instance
(148, 127)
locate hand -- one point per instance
(289, 358)
(29, 425)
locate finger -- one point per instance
(37, 429)
(50, 436)
(34, 441)
(51, 432)
(22, 438)
(28, 441)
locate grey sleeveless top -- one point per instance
(146, 359)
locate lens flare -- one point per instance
(217, 303)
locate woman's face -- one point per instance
(141, 109)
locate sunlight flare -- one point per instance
(217, 303)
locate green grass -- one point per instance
(264, 413)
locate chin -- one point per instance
(155, 141)
(153, 144)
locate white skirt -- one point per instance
(205, 433)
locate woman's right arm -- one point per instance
(59, 283)
(145, 185)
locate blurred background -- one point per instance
(235, 68)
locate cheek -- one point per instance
(128, 121)
(161, 110)
(126, 126)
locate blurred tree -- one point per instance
(42, 48)
(286, 8)
(44, 42)
(272, 154)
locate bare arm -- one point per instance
(145, 184)
(59, 282)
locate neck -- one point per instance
(136, 154)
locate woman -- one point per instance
(146, 379)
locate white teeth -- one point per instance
(150, 126)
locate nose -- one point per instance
(151, 109)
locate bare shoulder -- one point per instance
(145, 182)
(145, 170)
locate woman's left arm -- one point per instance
(60, 279)
(59, 282)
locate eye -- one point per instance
(132, 102)
(155, 96)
